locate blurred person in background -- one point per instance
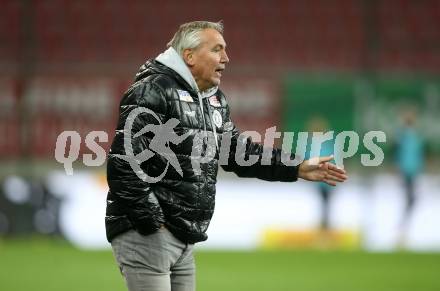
(319, 124)
(153, 226)
(409, 159)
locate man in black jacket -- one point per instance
(173, 123)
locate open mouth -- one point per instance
(219, 71)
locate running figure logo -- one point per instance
(163, 135)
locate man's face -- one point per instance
(208, 60)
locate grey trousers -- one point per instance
(155, 262)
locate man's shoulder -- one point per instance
(167, 84)
(161, 81)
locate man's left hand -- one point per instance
(320, 169)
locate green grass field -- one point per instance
(49, 265)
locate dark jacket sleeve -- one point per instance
(275, 171)
(137, 196)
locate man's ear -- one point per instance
(188, 57)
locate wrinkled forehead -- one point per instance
(211, 37)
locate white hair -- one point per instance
(188, 35)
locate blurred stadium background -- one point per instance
(299, 65)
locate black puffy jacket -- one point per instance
(183, 204)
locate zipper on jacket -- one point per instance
(205, 136)
(214, 129)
